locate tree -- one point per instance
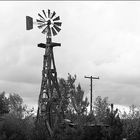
(133, 112)
(100, 108)
(18, 123)
(114, 122)
(64, 90)
(131, 123)
(4, 104)
(79, 103)
(12, 104)
(73, 97)
(16, 105)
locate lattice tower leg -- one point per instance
(50, 101)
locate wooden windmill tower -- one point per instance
(50, 101)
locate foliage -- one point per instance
(18, 121)
(100, 108)
(108, 116)
(103, 123)
(73, 98)
(81, 133)
(131, 123)
(3, 104)
(77, 99)
(114, 121)
(90, 119)
(17, 128)
(16, 105)
(40, 132)
(68, 133)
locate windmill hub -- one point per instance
(49, 22)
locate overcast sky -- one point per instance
(97, 38)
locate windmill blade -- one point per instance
(41, 16)
(53, 31)
(40, 21)
(53, 14)
(57, 18)
(44, 13)
(58, 23)
(48, 13)
(45, 30)
(40, 26)
(57, 28)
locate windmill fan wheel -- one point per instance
(49, 22)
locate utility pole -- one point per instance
(91, 78)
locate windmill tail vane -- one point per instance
(29, 23)
(50, 109)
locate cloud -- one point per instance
(97, 38)
(29, 92)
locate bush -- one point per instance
(17, 128)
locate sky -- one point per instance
(97, 38)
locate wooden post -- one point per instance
(91, 78)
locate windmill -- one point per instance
(50, 101)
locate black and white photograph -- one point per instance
(69, 70)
